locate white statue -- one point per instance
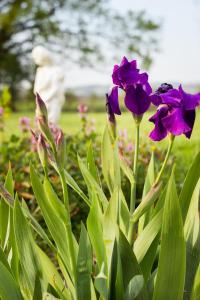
(49, 82)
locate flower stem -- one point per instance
(135, 169)
(171, 141)
(134, 185)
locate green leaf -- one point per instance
(52, 276)
(196, 286)
(4, 260)
(109, 224)
(192, 236)
(171, 266)
(36, 226)
(134, 287)
(124, 214)
(84, 266)
(37, 294)
(95, 231)
(126, 170)
(107, 158)
(26, 250)
(149, 238)
(100, 283)
(9, 290)
(190, 182)
(4, 208)
(54, 201)
(72, 183)
(145, 239)
(149, 180)
(129, 264)
(91, 164)
(92, 185)
(55, 224)
(148, 200)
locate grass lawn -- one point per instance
(70, 123)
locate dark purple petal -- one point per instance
(189, 116)
(172, 97)
(147, 88)
(125, 74)
(124, 62)
(115, 75)
(165, 87)
(112, 99)
(175, 122)
(189, 101)
(143, 78)
(155, 99)
(159, 132)
(136, 99)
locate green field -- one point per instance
(70, 123)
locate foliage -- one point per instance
(5, 98)
(107, 262)
(25, 23)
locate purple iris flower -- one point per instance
(135, 85)
(113, 104)
(175, 113)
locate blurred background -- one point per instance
(89, 36)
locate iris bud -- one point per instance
(42, 152)
(61, 148)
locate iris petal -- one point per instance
(136, 99)
(112, 99)
(126, 73)
(159, 132)
(189, 116)
(172, 97)
(189, 101)
(175, 122)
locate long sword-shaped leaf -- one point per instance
(9, 290)
(4, 209)
(148, 200)
(55, 224)
(145, 239)
(26, 250)
(92, 185)
(95, 231)
(72, 183)
(192, 236)
(91, 164)
(84, 266)
(196, 286)
(190, 182)
(171, 267)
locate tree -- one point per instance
(86, 31)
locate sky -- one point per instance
(179, 57)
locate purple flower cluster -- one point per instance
(175, 113)
(175, 108)
(127, 77)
